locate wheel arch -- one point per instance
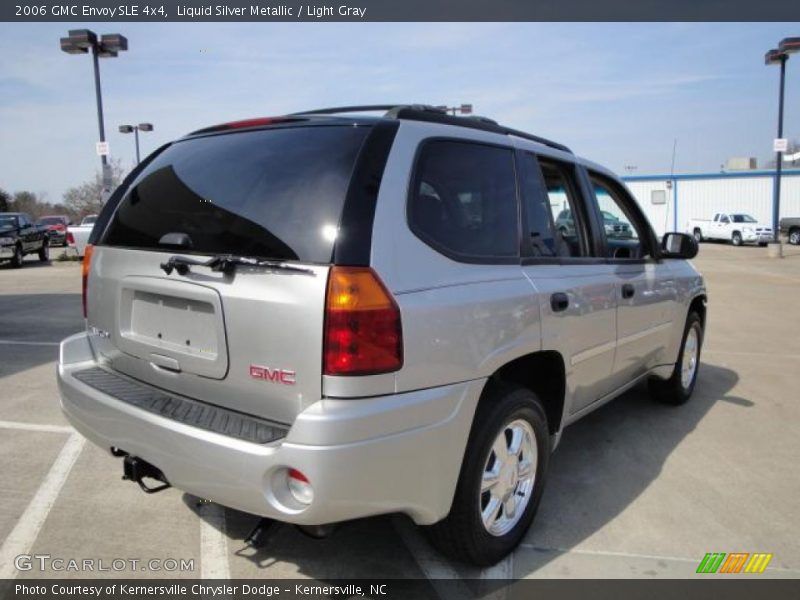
(543, 373)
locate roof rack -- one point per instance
(433, 114)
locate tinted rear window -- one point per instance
(275, 193)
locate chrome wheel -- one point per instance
(691, 350)
(508, 477)
(794, 238)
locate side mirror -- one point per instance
(679, 245)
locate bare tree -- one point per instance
(5, 201)
(87, 198)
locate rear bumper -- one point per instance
(366, 456)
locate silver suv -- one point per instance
(327, 315)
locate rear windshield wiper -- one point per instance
(227, 263)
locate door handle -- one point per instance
(628, 290)
(559, 302)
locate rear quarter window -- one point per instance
(272, 193)
(463, 201)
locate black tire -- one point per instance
(44, 252)
(762, 244)
(462, 534)
(673, 391)
(736, 238)
(18, 259)
(698, 235)
(794, 237)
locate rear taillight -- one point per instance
(363, 334)
(70, 238)
(86, 266)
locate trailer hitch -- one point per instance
(136, 469)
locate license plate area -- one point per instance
(179, 320)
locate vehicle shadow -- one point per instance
(609, 458)
(605, 461)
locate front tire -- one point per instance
(736, 238)
(502, 478)
(794, 237)
(18, 259)
(679, 387)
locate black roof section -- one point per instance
(409, 112)
(433, 114)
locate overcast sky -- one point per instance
(616, 93)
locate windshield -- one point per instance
(7, 223)
(743, 219)
(271, 193)
(51, 221)
(607, 216)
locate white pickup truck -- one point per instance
(77, 237)
(737, 228)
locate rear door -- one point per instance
(249, 339)
(576, 290)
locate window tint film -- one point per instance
(623, 235)
(562, 197)
(463, 200)
(273, 193)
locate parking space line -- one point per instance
(35, 427)
(213, 542)
(30, 523)
(434, 566)
(24, 343)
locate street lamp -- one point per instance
(80, 41)
(779, 56)
(135, 129)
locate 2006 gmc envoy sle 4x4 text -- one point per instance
(330, 315)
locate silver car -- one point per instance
(329, 315)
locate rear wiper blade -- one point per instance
(227, 263)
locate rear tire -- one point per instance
(501, 481)
(679, 387)
(18, 259)
(698, 235)
(736, 238)
(44, 252)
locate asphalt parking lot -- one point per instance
(636, 489)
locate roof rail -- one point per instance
(433, 114)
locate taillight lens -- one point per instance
(363, 333)
(86, 266)
(70, 238)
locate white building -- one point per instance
(671, 200)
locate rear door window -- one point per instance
(463, 201)
(271, 193)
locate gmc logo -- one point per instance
(281, 376)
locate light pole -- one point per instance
(135, 129)
(779, 56)
(464, 109)
(80, 41)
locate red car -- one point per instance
(57, 228)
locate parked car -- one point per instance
(19, 236)
(613, 225)
(322, 317)
(790, 226)
(737, 228)
(57, 227)
(78, 236)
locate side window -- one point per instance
(625, 235)
(24, 221)
(562, 204)
(463, 200)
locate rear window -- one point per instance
(275, 193)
